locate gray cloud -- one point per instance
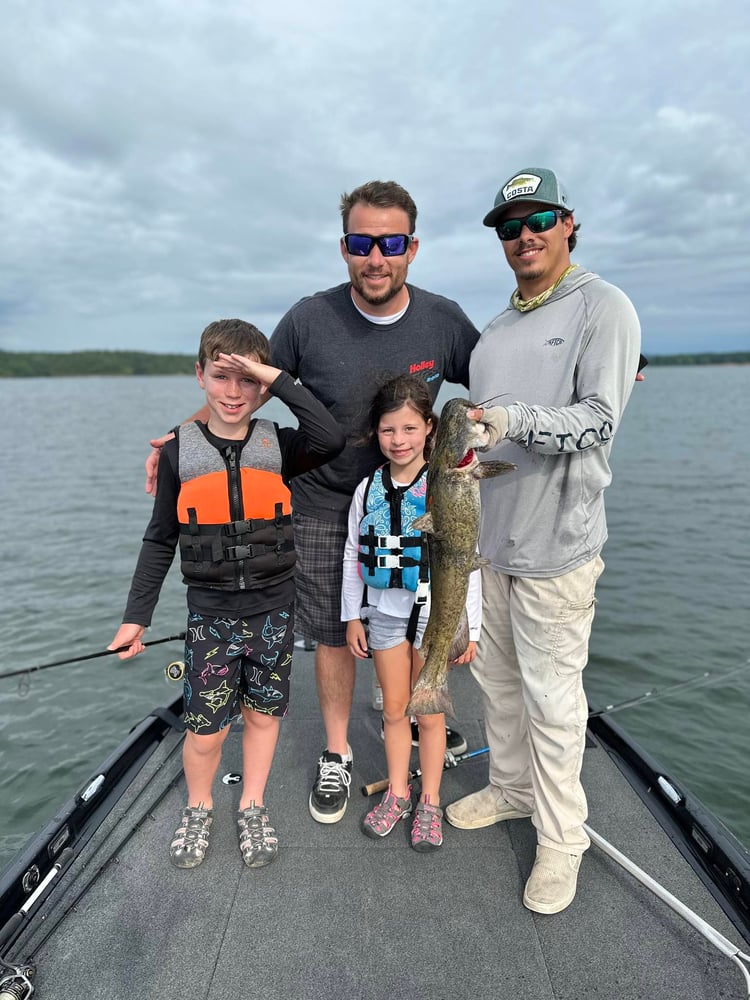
(165, 164)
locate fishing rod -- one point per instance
(88, 656)
(656, 694)
(451, 760)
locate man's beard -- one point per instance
(379, 298)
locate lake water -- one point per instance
(673, 603)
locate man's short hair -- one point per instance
(380, 194)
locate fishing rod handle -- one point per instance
(381, 786)
(451, 760)
(375, 787)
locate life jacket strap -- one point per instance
(395, 560)
(217, 551)
(256, 523)
(423, 592)
(234, 552)
(367, 558)
(194, 529)
(411, 625)
(389, 541)
(279, 520)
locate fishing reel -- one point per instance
(18, 985)
(173, 671)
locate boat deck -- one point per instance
(341, 916)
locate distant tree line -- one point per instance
(728, 358)
(37, 364)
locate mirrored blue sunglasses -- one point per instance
(393, 245)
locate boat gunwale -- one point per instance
(79, 818)
(713, 852)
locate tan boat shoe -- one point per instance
(482, 808)
(552, 883)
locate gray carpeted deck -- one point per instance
(342, 916)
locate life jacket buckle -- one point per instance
(389, 561)
(389, 541)
(236, 552)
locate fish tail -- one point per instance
(430, 701)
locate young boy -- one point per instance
(223, 497)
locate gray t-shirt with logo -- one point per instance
(342, 358)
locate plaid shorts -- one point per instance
(229, 661)
(318, 575)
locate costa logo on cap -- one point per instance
(521, 184)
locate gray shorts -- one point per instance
(318, 575)
(386, 631)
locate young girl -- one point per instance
(390, 557)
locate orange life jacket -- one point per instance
(234, 510)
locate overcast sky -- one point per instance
(171, 162)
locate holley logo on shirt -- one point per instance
(419, 367)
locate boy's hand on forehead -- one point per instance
(265, 374)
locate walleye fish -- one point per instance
(451, 523)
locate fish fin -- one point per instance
(430, 701)
(486, 470)
(460, 639)
(423, 522)
(479, 561)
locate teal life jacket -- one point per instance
(392, 554)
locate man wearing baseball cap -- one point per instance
(562, 358)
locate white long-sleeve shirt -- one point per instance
(395, 602)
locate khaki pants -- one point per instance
(529, 665)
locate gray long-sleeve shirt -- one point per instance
(565, 372)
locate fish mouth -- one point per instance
(467, 459)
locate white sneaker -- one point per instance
(552, 883)
(480, 809)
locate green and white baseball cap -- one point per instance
(533, 184)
